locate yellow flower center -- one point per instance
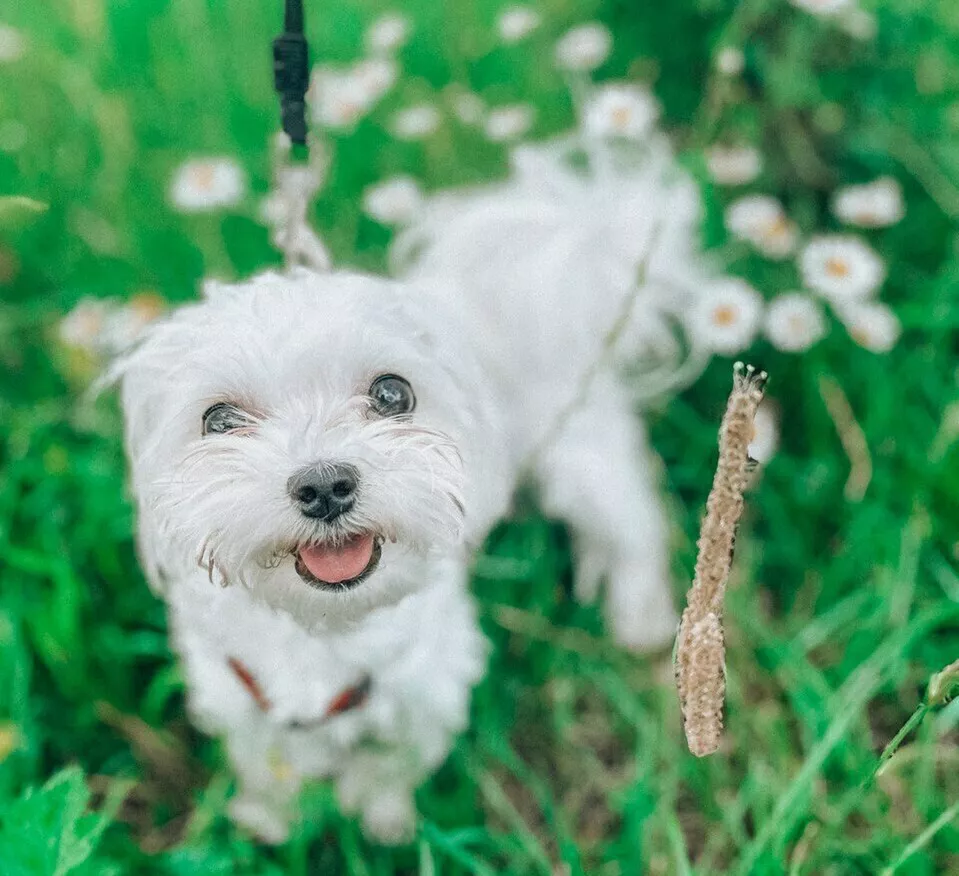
(621, 116)
(777, 227)
(88, 325)
(836, 267)
(147, 305)
(203, 177)
(724, 315)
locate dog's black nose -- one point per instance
(325, 491)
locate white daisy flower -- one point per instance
(125, 323)
(388, 34)
(859, 23)
(13, 45)
(794, 322)
(841, 267)
(726, 317)
(730, 61)
(748, 215)
(415, 122)
(395, 201)
(505, 123)
(516, 23)
(147, 306)
(871, 324)
(621, 111)
(207, 183)
(377, 74)
(733, 165)
(340, 98)
(468, 107)
(764, 441)
(778, 240)
(82, 326)
(100, 326)
(823, 8)
(874, 205)
(585, 47)
(761, 221)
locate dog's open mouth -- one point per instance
(340, 566)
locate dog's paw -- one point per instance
(265, 823)
(352, 786)
(389, 818)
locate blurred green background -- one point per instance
(842, 608)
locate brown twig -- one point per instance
(851, 436)
(164, 757)
(700, 646)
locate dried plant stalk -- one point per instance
(700, 646)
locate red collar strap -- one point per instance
(250, 684)
(346, 700)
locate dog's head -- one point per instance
(299, 435)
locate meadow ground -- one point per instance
(845, 596)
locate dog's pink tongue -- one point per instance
(335, 564)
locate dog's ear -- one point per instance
(134, 375)
(140, 404)
(142, 377)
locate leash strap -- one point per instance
(298, 170)
(291, 72)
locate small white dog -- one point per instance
(328, 449)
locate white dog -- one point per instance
(314, 457)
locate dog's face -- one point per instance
(300, 436)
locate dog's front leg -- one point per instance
(265, 802)
(378, 785)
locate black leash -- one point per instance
(291, 72)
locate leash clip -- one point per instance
(291, 72)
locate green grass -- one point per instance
(839, 613)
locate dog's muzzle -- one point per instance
(324, 492)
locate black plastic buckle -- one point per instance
(291, 72)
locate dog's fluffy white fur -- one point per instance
(369, 685)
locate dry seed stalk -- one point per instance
(700, 646)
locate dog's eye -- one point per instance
(391, 396)
(222, 418)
